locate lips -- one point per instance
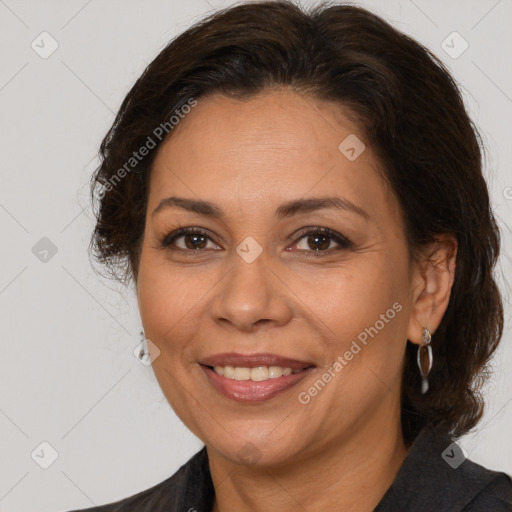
(251, 390)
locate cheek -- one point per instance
(362, 312)
(348, 299)
(374, 327)
(167, 302)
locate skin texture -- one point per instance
(342, 449)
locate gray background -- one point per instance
(68, 376)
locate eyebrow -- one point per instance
(287, 209)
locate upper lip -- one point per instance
(253, 360)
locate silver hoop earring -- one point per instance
(143, 350)
(426, 347)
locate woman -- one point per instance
(299, 199)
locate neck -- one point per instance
(352, 475)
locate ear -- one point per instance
(431, 285)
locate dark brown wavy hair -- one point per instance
(413, 116)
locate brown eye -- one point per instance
(195, 241)
(321, 240)
(188, 239)
(318, 242)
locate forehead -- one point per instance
(269, 123)
(276, 146)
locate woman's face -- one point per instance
(260, 276)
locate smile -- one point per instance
(253, 378)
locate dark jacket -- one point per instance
(432, 478)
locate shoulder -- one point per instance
(494, 493)
(190, 484)
(474, 487)
(436, 476)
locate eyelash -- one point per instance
(343, 242)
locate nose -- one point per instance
(251, 294)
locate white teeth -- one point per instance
(257, 373)
(275, 371)
(229, 372)
(242, 373)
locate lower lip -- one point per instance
(252, 391)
